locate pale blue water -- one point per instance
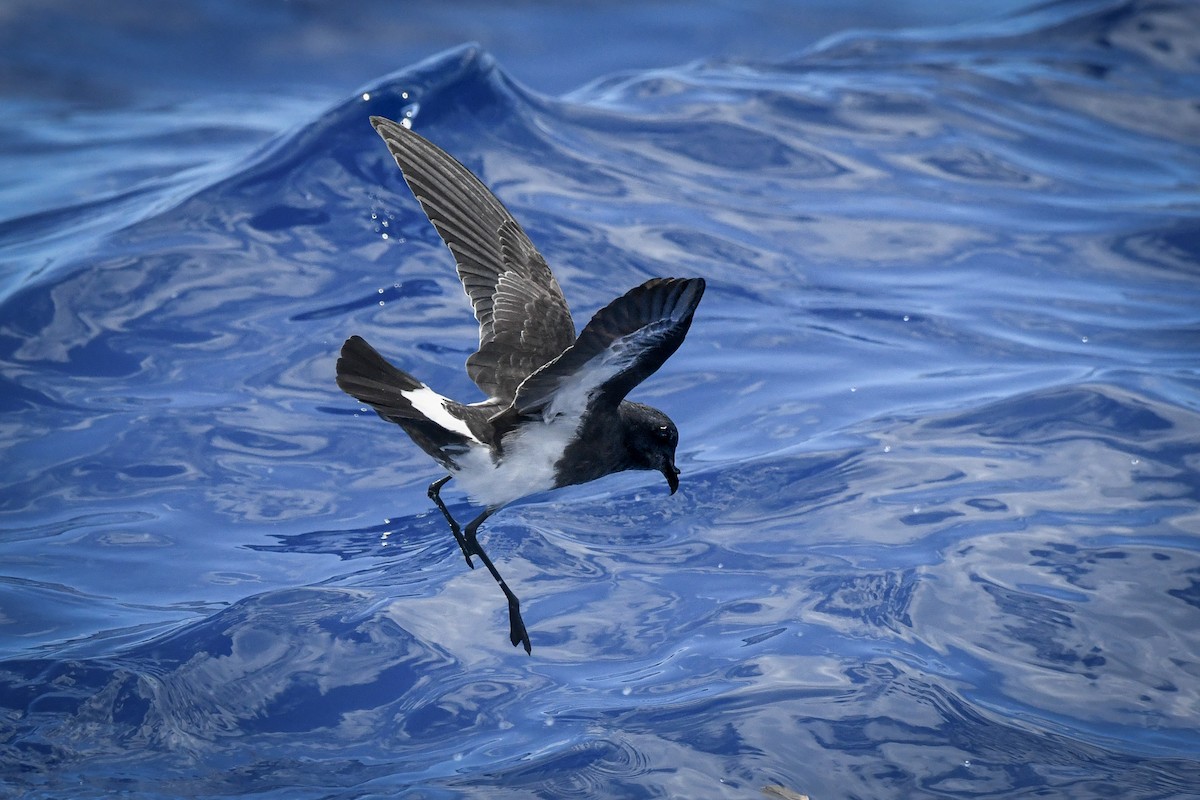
(939, 527)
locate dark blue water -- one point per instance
(939, 527)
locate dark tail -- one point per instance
(364, 374)
(367, 376)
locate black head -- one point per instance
(650, 440)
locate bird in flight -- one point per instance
(556, 413)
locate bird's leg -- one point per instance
(516, 626)
(435, 495)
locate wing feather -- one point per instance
(622, 345)
(524, 320)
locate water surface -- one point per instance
(939, 411)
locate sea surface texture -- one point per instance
(938, 533)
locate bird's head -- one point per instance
(651, 441)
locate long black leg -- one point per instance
(516, 626)
(435, 494)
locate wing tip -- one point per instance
(692, 289)
(392, 132)
(680, 296)
(378, 123)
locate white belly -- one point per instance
(526, 468)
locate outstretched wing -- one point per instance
(625, 342)
(524, 321)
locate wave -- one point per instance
(938, 415)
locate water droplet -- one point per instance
(854, 388)
(887, 448)
(967, 763)
(385, 236)
(404, 95)
(381, 302)
(366, 96)
(1084, 340)
(379, 290)
(906, 317)
(627, 691)
(1135, 461)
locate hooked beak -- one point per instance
(671, 473)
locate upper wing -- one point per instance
(623, 344)
(524, 321)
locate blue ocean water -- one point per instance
(938, 533)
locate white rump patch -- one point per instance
(433, 406)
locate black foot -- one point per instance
(435, 494)
(516, 627)
(470, 544)
(466, 555)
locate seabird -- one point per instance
(556, 413)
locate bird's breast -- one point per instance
(527, 461)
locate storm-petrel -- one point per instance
(556, 412)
